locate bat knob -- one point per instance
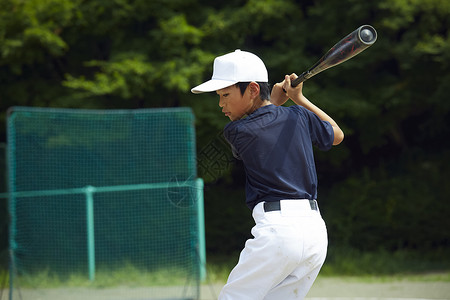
(366, 35)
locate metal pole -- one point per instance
(201, 228)
(89, 191)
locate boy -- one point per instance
(275, 144)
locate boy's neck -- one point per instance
(258, 105)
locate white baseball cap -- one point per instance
(231, 68)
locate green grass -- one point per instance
(366, 266)
(219, 267)
(128, 275)
(4, 279)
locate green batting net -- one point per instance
(104, 204)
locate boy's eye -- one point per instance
(226, 95)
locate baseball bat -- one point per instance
(351, 45)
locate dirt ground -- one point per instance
(325, 288)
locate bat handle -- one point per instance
(303, 77)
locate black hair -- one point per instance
(264, 89)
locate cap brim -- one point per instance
(212, 86)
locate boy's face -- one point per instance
(234, 105)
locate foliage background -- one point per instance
(384, 189)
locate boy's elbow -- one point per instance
(338, 136)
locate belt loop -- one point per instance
(313, 204)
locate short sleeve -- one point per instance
(321, 132)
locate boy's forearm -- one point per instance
(296, 94)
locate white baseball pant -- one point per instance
(284, 258)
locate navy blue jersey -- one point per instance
(275, 144)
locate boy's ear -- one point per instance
(254, 89)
